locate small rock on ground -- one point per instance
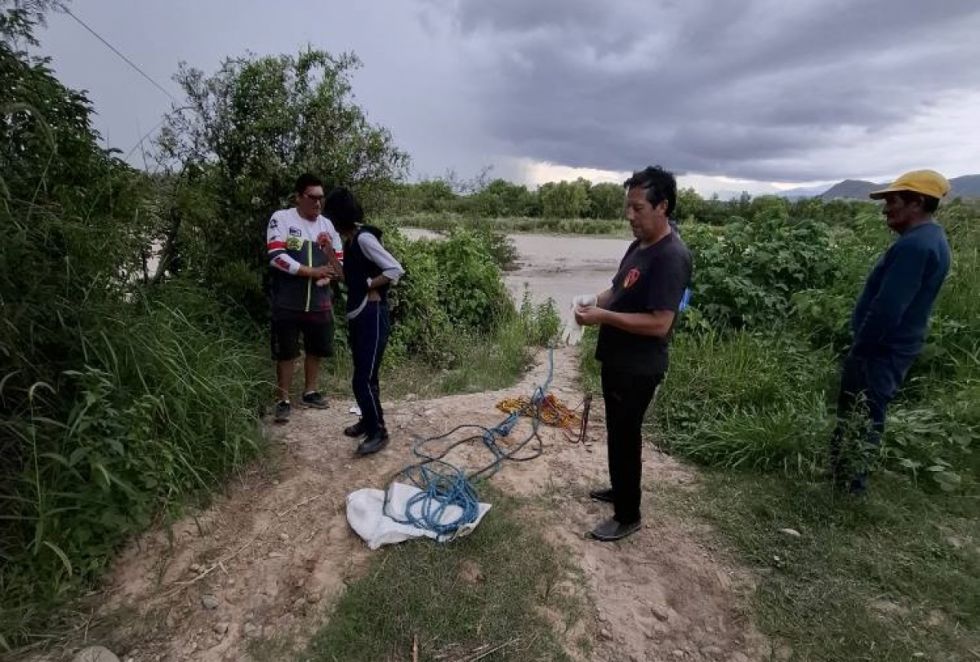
(95, 654)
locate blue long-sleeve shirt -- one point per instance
(892, 313)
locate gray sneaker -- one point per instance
(315, 400)
(283, 409)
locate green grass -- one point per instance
(458, 599)
(895, 576)
(160, 407)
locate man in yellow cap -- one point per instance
(890, 318)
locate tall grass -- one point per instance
(739, 400)
(162, 403)
(746, 401)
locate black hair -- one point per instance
(305, 181)
(343, 209)
(659, 185)
(929, 203)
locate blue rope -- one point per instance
(685, 300)
(443, 484)
(427, 508)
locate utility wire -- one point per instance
(125, 59)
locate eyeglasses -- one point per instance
(314, 198)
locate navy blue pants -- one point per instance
(627, 397)
(368, 339)
(868, 384)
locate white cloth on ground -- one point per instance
(365, 515)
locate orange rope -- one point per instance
(552, 411)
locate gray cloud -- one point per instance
(751, 89)
(756, 89)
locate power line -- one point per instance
(116, 51)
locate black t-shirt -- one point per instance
(649, 279)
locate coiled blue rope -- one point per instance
(444, 485)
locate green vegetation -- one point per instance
(894, 577)
(751, 394)
(127, 389)
(754, 361)
(487, 591)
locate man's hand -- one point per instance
(589, 315)
(319, 273)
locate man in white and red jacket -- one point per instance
(305, 253)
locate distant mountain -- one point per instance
(967, 186)
(850, 189)
(802, 192)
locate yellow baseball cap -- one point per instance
(926, 182)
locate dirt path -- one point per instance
(268, 556)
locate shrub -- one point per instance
(745, 274)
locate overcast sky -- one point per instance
(750, 94)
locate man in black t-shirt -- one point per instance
(635, 317)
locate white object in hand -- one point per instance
(573, 333)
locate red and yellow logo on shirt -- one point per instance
(632, 276)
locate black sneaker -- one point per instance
(605, 494)
(373, 443)
(315, 400)
(283, 409)
(612, 530)
(356, 430)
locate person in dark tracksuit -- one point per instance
(636, 317)
(369, 271)
(890, 319)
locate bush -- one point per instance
(452, 287)
(746, 273)
(471, 289)
(541, 323)
(159, 403)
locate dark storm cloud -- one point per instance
(747, 89)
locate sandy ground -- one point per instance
(273, 552)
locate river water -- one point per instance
(558, 267)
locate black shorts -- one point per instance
(317, 337)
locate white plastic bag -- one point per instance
(365, 514)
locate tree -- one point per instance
(48, 149)
(433, 195)
(565, 199)
(690, 205)
(502, 198)
(244, 135)
(766, 207)
(606, 200)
